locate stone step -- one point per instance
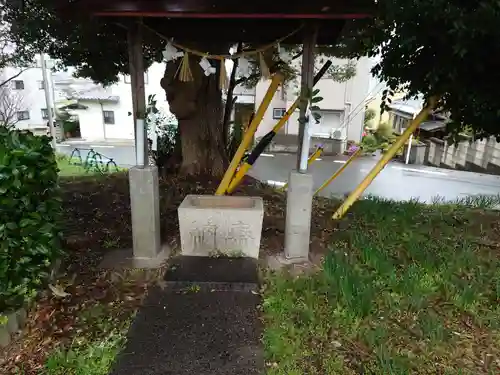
(192, 325)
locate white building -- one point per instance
(104, 113)
(342, 107)
(22, 99)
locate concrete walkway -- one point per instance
(203, 322)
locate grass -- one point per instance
(90, 356)
(69, 169)
(93, 359)
(405, 289)
(73, 168)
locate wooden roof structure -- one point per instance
(254, 21)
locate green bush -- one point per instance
(168, 145)
(30, 209)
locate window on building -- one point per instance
(45, 113)
(40, 85)
(18, 84)
(23, 115)
(109, 117)
(400, 123)
(278, 113)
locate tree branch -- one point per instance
(2, 84)
(298, 55)
(229, 98)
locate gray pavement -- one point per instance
(397, 181)
(123, 153)
(214, 330)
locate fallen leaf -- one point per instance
(58, 292)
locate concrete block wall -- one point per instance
(289, 143)
(478, 156)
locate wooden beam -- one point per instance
(307, 83)
(329, 16)
(136, 67)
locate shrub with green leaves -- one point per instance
(30, 208)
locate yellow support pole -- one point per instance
(339, 171)
(247, 138)
(287, 115)
(386, 157)
(246, 167)
(316, 154)
(238, 176)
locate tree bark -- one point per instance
(197, 104)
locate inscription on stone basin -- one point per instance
(220, 237)
(221, 225)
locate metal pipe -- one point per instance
(247, 138)
(407, 160)
(339, 171)
(314, 156)
(306, 141)
(386, 157)
(139, 146)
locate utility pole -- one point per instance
(48, 101)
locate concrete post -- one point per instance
(298, 216)
(144, 192)
(300, 184)
(144, 204)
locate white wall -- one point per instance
(92, 127)
(278, 101)
(244, 94)
(33, 98)
(347, 99)
(91, 122)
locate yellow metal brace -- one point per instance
(339, 171)
(386, 157)
(246, 167)
(247, 138)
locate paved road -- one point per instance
(396, 181)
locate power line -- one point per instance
(360, 106)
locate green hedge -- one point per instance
(30, 209)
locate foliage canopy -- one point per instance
(443, 47)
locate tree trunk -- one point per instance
(230, 99)
(197, 104)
